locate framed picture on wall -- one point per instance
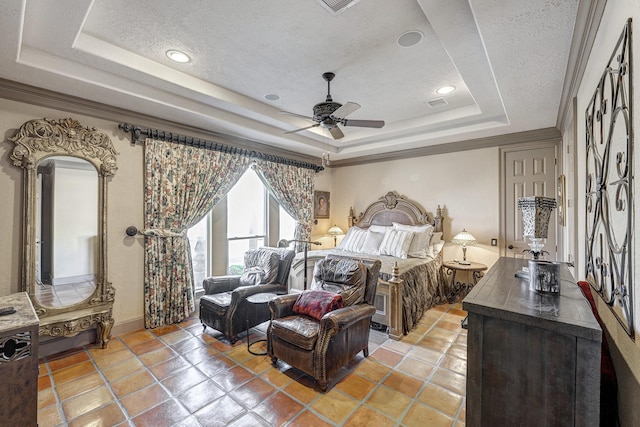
(320, 204)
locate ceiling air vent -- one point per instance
(436, 103)
(337, 6)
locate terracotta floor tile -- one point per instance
(458, 312)
(183, 380)
(188, 344)
(122, 369)
(434, 344)
(367, 417)
(356, 386)
(200, 395)
(200, 354)
(279, 378)
(252, 393)
(404, 383)
(190, 421)
(232, 378)
(86, 402)
(397, 346)
(372, 370)
(441, 308)
(219, 412)
(258, 364)
(278, 408)
(335, 405)
(69, 360)
(73, 372)
(136, 337)
(454, 364)
(164, 330)
(165, 414)
(45, 398)
(250, 420)
(301, 392)
(157, 356)
(131, 383)
(458, 351)
(81, 385)
(175, 337)
(49, 417)
(450, 380)
(449, 325)
(440, 398)
(426, 355)
(115, 344)
(390, 402)
(109, 415)
(420, 415)
(443, 334)
(147, 347)
(44, 382)
(169, 367)
(215, 365)
(307, 419)
(141, 400)
(388, 357)
(105, 360)
(416, 368)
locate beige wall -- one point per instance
(464, 184)
(124, 208)
(626, 351)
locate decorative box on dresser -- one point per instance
(19, 362)
(533, 359)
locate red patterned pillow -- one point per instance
(317, 303)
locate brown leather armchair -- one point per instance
(321, 347)
(224, 306)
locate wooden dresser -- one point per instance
(532, 359)
(19, 362)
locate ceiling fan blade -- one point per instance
(301, 129)
(336, 133)
(296, 115)
(345, 110)
(363, 123)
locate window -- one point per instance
(287, 225)
(199, 240)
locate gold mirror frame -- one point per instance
(37, 140)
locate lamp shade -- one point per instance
(335, 231)
(536, 211)
(464, 238)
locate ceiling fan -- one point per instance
(330, 114)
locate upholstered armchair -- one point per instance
(224, 307)
(308, 332)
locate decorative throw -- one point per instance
(252, 276)
(317, 303)
(267, 260)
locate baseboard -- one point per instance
(128, 326)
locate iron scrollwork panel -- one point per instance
(609, 192)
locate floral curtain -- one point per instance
(292, 186)
(182, 183)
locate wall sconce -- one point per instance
(536, 211)
(464, 238)
(335, 231)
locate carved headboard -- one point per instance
(392, 207)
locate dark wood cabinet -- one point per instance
(19, 362)
(533, 359)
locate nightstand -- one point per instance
(452, 267)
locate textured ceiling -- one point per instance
(507, 61)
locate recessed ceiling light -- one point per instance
(410, 38)
(271, 97)
(444, 90)
(177, 56)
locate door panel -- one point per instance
(528, 172)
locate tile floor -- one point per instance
(179, 376)
(64, 294)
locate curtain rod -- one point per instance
(137, 133)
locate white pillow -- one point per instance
(354, 240)
(396, 243)
(379, 228)
(436, 237)
(420, 243)
(372, 243)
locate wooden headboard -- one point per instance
(392, 207)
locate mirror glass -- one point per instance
(67, 214)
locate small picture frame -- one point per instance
(321, 204)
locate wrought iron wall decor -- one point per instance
(609, 191)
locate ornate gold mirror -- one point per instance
(64, 269)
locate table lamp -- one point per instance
(464, 238)
(536, 211)
(335, 231)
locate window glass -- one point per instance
(199, 241)
(287, 225)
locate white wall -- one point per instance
(465, 185)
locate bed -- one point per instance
(410, 285)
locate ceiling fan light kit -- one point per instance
(330, 114)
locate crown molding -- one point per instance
(33, 95)
(538, 135)
(584, 34)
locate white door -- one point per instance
(528, 172)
